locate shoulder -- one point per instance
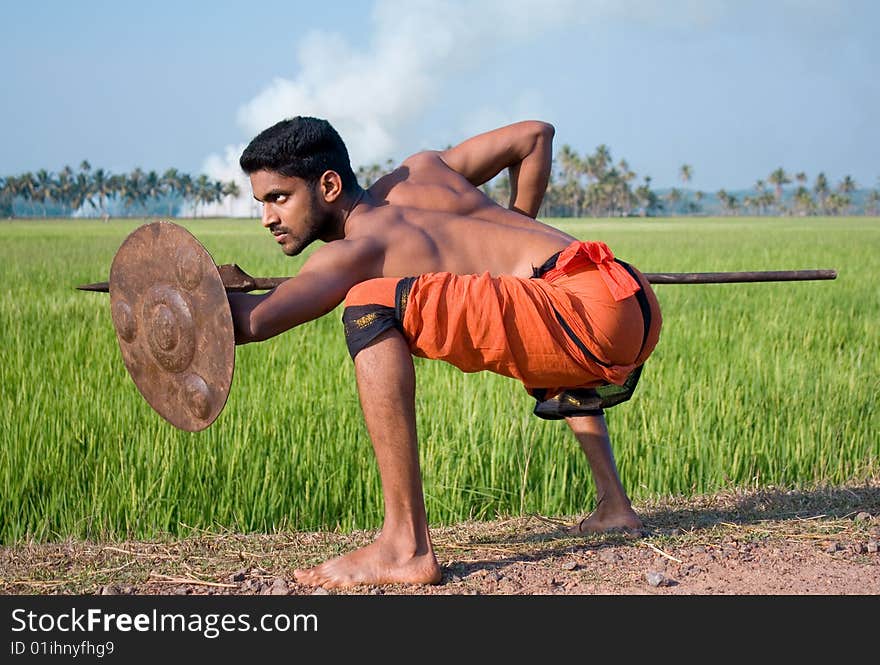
(430, 170)
(356, 258)
(426, 161)
(420, 178)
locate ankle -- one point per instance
(406, 541)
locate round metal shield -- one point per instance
(173, 323)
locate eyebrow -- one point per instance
(272, 193)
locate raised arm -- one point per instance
(524, 148)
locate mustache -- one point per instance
(276, 229)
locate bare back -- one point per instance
(429, 218)
(426, 216)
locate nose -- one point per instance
(270, 216)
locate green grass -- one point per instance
(750, 385)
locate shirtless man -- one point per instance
(428, 265)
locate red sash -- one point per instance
(579, 254)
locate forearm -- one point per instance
(261, 317)
(295, 301)
(529, 178)
(256, 318)
(524, 148)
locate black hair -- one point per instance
(301, 147)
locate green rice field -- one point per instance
(751, 385)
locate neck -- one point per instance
(354, 204)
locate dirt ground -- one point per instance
(821, 541)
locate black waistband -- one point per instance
(549, 264)
(643, 305)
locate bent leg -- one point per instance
(402, 552)
(613, 508)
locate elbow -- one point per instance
(247, 324)
(542, 130)
(538, 137)
(254, 332)
(244, 331)
(259, 326)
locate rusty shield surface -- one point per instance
(173, 324)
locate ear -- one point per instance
(330, 186)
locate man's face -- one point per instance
(291, 210)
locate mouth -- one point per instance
(280, 236)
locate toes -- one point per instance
(308, 576)
(579, 529)
(319, 576)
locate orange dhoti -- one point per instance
(586, 320)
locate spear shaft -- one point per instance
(735, 277)
(236, 279)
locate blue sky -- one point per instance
(735, 89)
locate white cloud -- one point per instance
(376, 95)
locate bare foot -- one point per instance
(377, 563)
(605, 521)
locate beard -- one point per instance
(315, 224)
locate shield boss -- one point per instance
(173, 323)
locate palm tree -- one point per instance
(202, 191)
(674, 197)
(186, 188)
(837, 203)
(153, 189)
(62, 190)
(171, 187)
(625, 195)
(231, 191)
(43, 188)
(102, 187)
(80, 190)
(571, 166)
(27, 188)
(647, 198)
(803, 201)
(132, 191)
(82, 187)
(698, 201)
(847, 185)
(872, 203)
(778, 178)
(758, 199)
(216, 188)
(728, 201)
(820, 189)
(602, 158)
(614, 193)
(117, 186)
(685, 172)
(8, 192)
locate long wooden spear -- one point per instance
(236, 279)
